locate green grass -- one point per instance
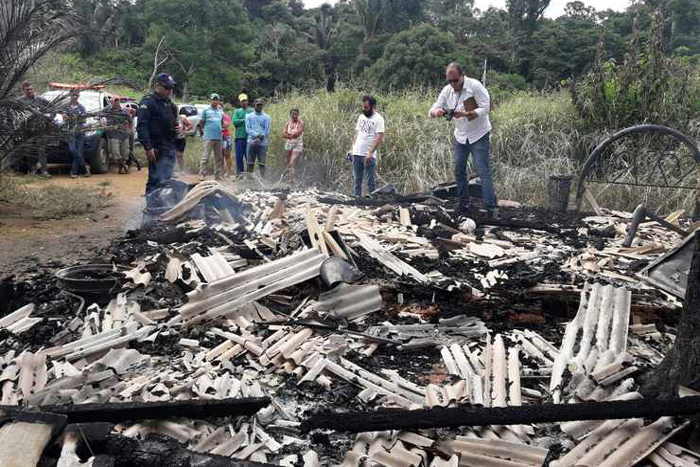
(51, 201)
(56, 202)
(535, 136)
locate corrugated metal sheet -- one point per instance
(226, 295)
(375, 249)
(212, 267)
(599, 331)
(351, 301)
(17, 315)
(497, 453)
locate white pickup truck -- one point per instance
(96, 153)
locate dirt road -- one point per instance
(26, 242)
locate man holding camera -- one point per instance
(466, 102)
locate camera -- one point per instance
(449, 114)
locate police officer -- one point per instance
(157, 128)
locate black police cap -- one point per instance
(165, 80)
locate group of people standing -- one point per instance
(118, 124)
(251, 138)
(116, 120)
(464, 100)
(162, 133)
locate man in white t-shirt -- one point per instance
(472, 130)
(370, 135)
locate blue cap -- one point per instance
(166, 81)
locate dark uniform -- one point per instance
(156, 131)
(35, 155)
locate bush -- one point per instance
(648, 87)
(414, 57)
(58, 67)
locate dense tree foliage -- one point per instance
(415, 56)
(267, 46)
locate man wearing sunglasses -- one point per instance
(158, 125)
(466, 102)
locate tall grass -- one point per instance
(535, 136)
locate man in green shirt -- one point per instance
(241, 141)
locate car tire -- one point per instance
(99, 159)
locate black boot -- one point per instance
(262, 170)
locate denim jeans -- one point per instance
(162, 170)
(241, 146)
(362, 170)
(76, 147)
(259, 153)
(480, 150)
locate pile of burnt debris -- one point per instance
(308, 328)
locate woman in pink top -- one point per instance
(226, 143)
(294, 134)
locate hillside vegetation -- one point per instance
(558, 87)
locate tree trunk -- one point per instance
(156, 63)
(329, 71)
(681, 366)
(184, 90)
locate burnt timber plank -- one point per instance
(357, 422)
(118, 412)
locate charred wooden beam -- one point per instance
(119, 412)
(642, 213)
(161, 451)
(357, 422)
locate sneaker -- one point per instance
(44, 174)
(72, 175)
(87, 171)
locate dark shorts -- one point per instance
(180, 144)
(226, 143)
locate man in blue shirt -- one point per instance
(257, 125)
(210, 125)
(74, 117)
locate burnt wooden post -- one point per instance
(681, 366)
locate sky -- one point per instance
(555, 9)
